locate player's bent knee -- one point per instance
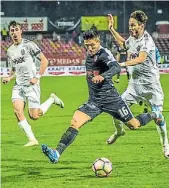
(34, 116)
(40, 112)
(133, 126)
(75, 124)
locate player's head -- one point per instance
(91, 39)
(137, 23)
(15, 31)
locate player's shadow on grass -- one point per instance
(45, 170)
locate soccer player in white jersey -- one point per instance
(144, 84)
(22, 56)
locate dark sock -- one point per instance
(118, 76)
(128, 76)
(146, 118)
(67, 138)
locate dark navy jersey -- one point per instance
(102, 63)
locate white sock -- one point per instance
(118, 125)
(46, 105)
(163, 134)
(27, 129)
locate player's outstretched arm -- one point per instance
(140, 59)
(115, 34)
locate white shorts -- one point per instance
(152, 94)
(27, 93)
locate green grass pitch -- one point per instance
(137, 157)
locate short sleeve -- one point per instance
(127, 43)
(107, 57)
(34, 49)
(146, 46)
(9, 61)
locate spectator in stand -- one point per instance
(74, 34)
(67, 37)
(54, 36)
(80, 40)
(4, 34)
(120, 55)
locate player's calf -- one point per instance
(143, 119)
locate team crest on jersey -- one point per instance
(95, 58)
(22, 51)
(146, 35)
(138, 48)
(127, 43)
(110, 57)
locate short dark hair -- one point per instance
(13, 23)
(90, 34)
(140, 16)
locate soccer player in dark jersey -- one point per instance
(101, 66)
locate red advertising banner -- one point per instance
(66, 61)
(74, 70)
(27, 23)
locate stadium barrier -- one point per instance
(75, 70)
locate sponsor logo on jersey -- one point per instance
(133, 55)
(138, 48)
(18, 60)
(22, 52)
(95, 58)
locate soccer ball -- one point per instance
(102, 167)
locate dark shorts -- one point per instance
(118, 109)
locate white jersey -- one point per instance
(22, 59)
(146, 72)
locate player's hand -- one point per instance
(110, 21)
(33, 81)
(123, 64)
(98, 79)
(5, 80)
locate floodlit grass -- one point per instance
(137, 157)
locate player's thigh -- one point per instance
(86, 112)
(157, 96)
(79, 119)
(18, 101)
(130, 96)
(120, 111)
(18, 105)
(18, 94)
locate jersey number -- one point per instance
(123, 111)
